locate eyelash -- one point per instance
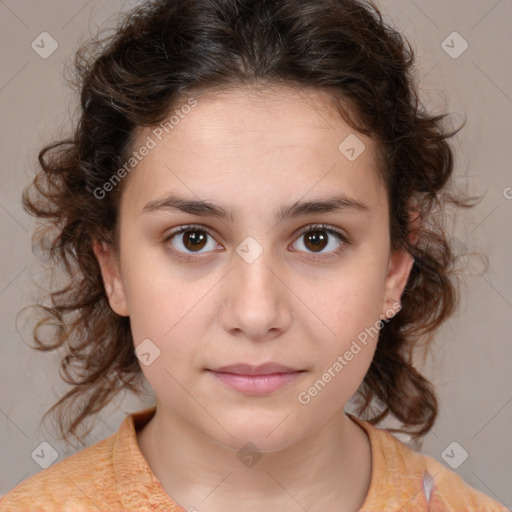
(313, 228)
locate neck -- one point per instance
(329, 467)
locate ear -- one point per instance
(400, 266)
(110, 271)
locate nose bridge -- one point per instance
(254, 302)
(255, 264)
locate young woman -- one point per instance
(248, 212)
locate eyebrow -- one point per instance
(335, 203)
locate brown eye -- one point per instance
(189, 240)
(318, 238)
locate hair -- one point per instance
(166, 50)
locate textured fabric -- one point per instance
(112, 475)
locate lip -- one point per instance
(256, 380)
(262, 369)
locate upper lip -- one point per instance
(248, 369)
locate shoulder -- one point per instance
(417, 482)
(76, 483)
(443, 488)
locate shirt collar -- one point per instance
(138, 486)
(396, 477)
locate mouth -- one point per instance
(256, 380)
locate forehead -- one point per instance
(241, 143)
(273, 116)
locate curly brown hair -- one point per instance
(166, 49)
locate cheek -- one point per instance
(347, 303)
(172, 312)
(347, 312)
(343, 355)
(329, 390)
(162, 303)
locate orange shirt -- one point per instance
(113, 475)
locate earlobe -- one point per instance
(112, 280)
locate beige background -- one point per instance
(473, 351)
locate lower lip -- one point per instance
(256, 384)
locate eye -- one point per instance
(318, 237)
(193, 240)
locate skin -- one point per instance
(255, 151)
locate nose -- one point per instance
(257, 300)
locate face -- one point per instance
(254, 286)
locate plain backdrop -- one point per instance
(471, 359)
